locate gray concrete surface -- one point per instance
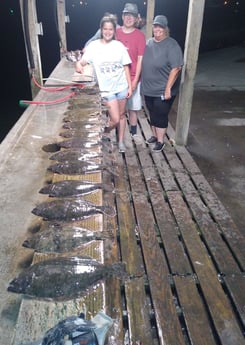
(217, 126)
(23, 165)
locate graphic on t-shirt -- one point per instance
(110, 69)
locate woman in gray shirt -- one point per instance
(160, 79)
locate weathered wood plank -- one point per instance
(235, 284)
(218, 303)
(235, 239)
(177, 258)
(113, 296)
(207, 226)
(136, 301)
(195, 314)
(165, 172)
(169, 328)
(230, 231)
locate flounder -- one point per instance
(80, 168)
(61, 239)
(70, 209)
(63, 277)
(71, 133)
(73, 155)
(66, 188)
(82, 126)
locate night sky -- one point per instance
(223, 26)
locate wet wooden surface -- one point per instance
(183, 254)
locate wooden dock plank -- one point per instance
(235, 239)
(136, 300)
(229, 230)
(199, 329)
(219, 305)
(166, 224)
(207, 226)
(165, 172)
(168, 324)
(235, 284)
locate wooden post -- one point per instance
(31, 30)
(61, 15)
(192, 42)
(149, 17)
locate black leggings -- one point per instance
(158, 110)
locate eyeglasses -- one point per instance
(129, 15)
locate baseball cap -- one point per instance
(130, 8)
(160, 20)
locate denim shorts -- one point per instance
(119, 95)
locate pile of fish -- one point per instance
(81, 152)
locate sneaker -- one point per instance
(105, 137)
(121, 147)
(151, 140)
(158, 147)
(136, 139)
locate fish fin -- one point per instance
(108, 211)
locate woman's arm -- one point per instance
(126, 69)
(173, 75)
(79, 66)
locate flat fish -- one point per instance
(71, 133)
(79, 168)
(87, 106)
(67, 209)
(90, 101)
(81, 125)
(61, 239)
(68, 188)
(63, 277)
(77, 143)
(77, 117)
(82, 112)
(73, 155)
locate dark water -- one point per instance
(223, 26)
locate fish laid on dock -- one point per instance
(80, 168)
(73, 155)
(71, 133)
(77, 143)
(94, 127)
(70, 209)
(66, 188)
(63, 277)
(88, 106)
(61, 239)
(94, 118)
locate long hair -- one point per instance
(108, 19)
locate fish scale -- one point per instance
(70, 209)
(63, 278)
(68, 188)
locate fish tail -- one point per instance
(119, 270)
(107, 188)
(108, 211)
(112, 170)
